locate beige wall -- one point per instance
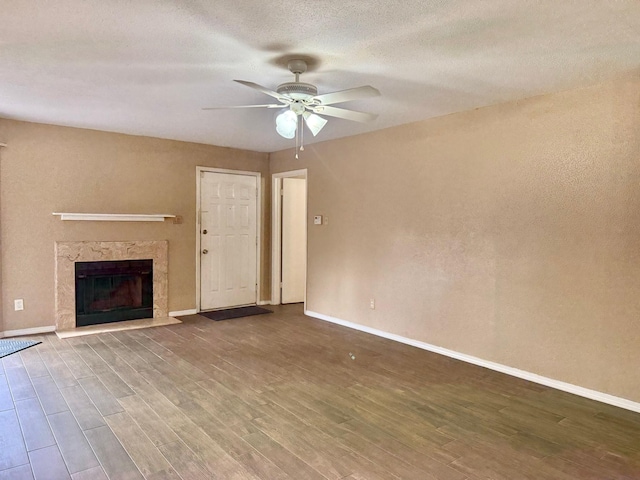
(49, 169)
(510, 233)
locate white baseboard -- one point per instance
(264, 302)
(532, 377)
(27, 331)
(181, 313)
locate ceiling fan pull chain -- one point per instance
(297, 128)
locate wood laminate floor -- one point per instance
(283, 396)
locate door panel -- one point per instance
(228, 205)
(294, 239)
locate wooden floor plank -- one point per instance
(153, 426)
(47, 464)
(13, 360)
(73, 445)
(49, 395)
(284, 459)
(6, 400)
(23, 472)
(315, 448)
(142, 451)
(35, 427)
(82, 407)
(101, 397)
(13, 452)
(96, 473)
(199, 411)
(281, 397)
(19, 382)
(114, 459)
(185, 462)
(215, 459)
(58, 369)
(76, 365)
(33, 362)
(261, 466)
(108, 377)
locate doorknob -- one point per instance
(205, 251)
(204, 232)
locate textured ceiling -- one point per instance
(148, 67)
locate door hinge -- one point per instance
(282, 192)
(280, 285)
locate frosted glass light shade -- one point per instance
(286, 124)
(314, 122)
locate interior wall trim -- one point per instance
(532, 377)
(180, 313)
(27, 331)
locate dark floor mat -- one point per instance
(234, 313)
(7, 347)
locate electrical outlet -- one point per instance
(372, 304)
(18, 304)
(317, 220)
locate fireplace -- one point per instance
(113, 291)
(68, 254)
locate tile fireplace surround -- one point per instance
(68, 253)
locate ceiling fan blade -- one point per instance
(262, 89)
(365, 91)
(314, 122)
(344, 113)
(273, 105)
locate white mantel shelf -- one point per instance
(114, 217)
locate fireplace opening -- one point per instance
(113, 291)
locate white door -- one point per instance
(228, 240)
(294, 239)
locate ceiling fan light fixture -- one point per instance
(314, 122)
(287, 124)
(300, 102)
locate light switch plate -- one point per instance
(317, 220)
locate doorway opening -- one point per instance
(289, 237)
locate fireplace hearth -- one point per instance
(113, 291)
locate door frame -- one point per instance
(258, 175)
(276, 233)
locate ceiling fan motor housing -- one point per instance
(297, 90)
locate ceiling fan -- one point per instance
(300, 100)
